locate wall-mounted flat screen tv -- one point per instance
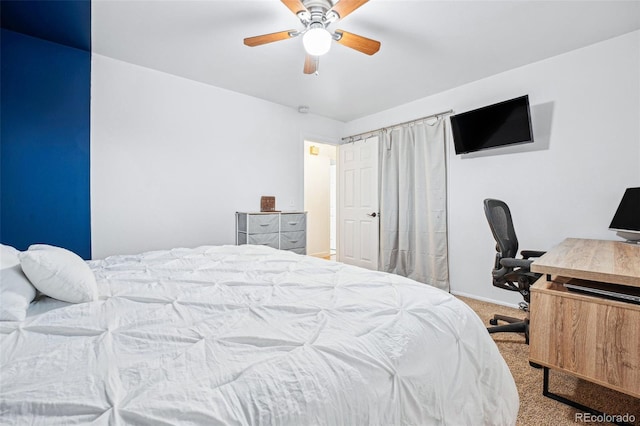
(500, 124)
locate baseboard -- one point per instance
(485, 299)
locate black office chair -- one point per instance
(508, 272)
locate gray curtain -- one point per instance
(413, 202)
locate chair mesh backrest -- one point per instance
(501, 224)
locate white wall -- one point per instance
(586, 119)
(172, 160)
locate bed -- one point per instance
(249, 335)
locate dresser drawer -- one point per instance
(280, 230)
(299, 250)
(293, 222)
(270, 240)
(263, 223)
(289, 240)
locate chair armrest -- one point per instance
(510, 262)
(531, 253)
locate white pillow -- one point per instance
(59, 273)
(16, 292)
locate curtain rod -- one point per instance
(359, 136)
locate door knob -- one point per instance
(374, 214)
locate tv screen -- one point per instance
(627, 217)
(500, 124)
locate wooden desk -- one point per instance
(590, 337)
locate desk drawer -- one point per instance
(591, 337)
(293, 222)
(290, 240)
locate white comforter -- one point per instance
(252, 335)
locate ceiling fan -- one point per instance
(316, 16)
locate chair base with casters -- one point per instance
(514, 325)
(509, 272)
(515, 277)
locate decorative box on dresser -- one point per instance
(280, 230)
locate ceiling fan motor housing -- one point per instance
(316, 14)
(323, 4)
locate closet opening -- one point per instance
(320, 198)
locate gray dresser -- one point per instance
(281, 230)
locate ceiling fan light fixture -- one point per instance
(317, 41)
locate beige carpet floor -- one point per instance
(536, 409)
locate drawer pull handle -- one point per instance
(293, 223)
(294, 241)
(264, 224)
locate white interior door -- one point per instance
(358, 214)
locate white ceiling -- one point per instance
(427, 46)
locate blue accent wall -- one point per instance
(65, 22)
(44, 144)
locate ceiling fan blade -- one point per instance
(295, 6)
(357, 42)
(345, 7)
(268, 38)
(311, 64)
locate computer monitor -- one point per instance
(626, 221)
